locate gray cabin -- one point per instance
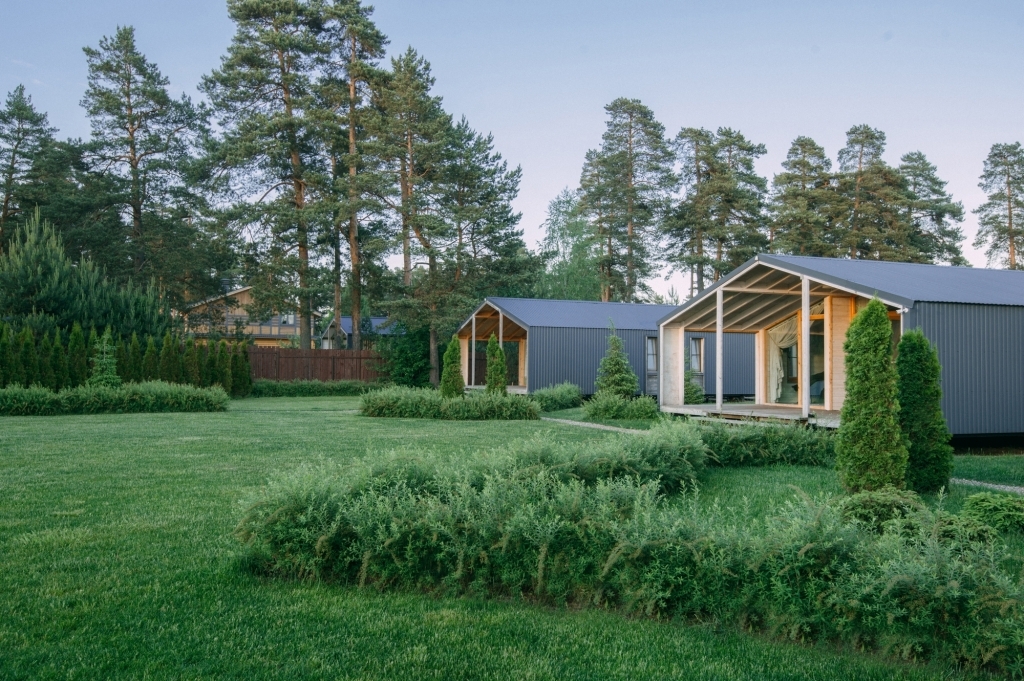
(564, 340)
(799, 309)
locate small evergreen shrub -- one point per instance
(265, 388)
(169, 363)
(241, 379)
(767, 445)
(426, 403)
(104, 364)
(28, 360)
(135, 371)
(78, 358)
(692, 393)
(614, 375)
(59, 362)
(150, 362)
(497, 369)
(874, 508)
(870, 449)
(606, 406)
(930, 457)
(562, 396)
(1004, 512)
(6, 355)
(131, 398)
(47, 378)
(451, 375)
(222, 375)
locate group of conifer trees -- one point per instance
(26, 360)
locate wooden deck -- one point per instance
(748, 411)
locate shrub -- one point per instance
(497, 369)
(425, 403)
(6, 356)
(59, 362)
(614, 375)
(192, 374)
(104, 364)
(766, 445)
(47, 378)
(170, 364)
(607, 405)
(802, 574)
(28, 360)
(210, 364)
(222, 376)
(1001, 511)
(874, 508)
(405, 355)
(241, 380)
(930, 457)
(100, 399)
(150, 362)
(135, 371)
(451, 375)
(562, 396)
(870, 450)
(692, 393)
(265, 388)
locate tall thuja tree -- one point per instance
(569, 253)
(634, 181)
(28, 357)
(5, 359)
(145, 139)
(497, 368)
(934, 216)
(614, 374)
(241, 378)
(151, 361)
(59, 362)
(170, 364)
(999, 223)
(104, 363)
(223, 373)
(352, 70)
(78, 358)
(804, 203)
(870, 449)
(193, 372)
(46, 377)
(265, 97)
(452, 384)
(24, 132)
(930, 460)
(134, 373)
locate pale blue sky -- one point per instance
(941, 77)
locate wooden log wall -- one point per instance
(281, 364)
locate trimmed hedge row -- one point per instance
(765, 445)
(266, 388)
(804, 574)
(562, 396)
(427, 403)
(606, 405)
(131, 398)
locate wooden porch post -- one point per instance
(472, 353)
(501, 333)
(805, 349)
(719, 333)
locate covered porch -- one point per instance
(800, 324)
(473, 337)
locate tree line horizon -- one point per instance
(311, 161)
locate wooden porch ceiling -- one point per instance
(487, 322)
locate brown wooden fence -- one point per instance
(280, 364)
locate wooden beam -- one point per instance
(719, 337)
(805, 350)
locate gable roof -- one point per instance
(375, 323)
(581, 314)
(910, 282)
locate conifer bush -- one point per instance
(121, 352)
(606, 405)
(150, 362)
(930, 456)
(562, 396)
(241, 380)
(1004, 512)
(135, 370)
(59, 362)
(169, 362)
(28, 359)
(47, 379)
(6, 360)
(870, 449)
(614, 374)
(192, 375)
(104, 364)
(451, 375)
(210, 364)
(223, 368)
(497, 369)
(767, 445)
(692, 393)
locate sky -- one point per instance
(944, 78)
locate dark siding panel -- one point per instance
(981, 349)
(565, 354)
(738, 367)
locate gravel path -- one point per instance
(598, 426)
(989, 485)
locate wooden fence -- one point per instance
(280, 364)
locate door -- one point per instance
(652, 366)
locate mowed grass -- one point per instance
(117, 561)
(1006, 469)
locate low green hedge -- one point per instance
(765, 445)
(605, 406)
(803, 574)
(427, 403)
(562, 396)
(1005, 512)
(265, 388)
(130, 398)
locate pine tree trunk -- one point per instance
(435, 378)
(1009, 222)
(353, 222)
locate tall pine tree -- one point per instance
(999, 228)
(24, 132)
(804, 203)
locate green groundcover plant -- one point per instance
(562, 396)
(606, 405)
(529, 530)
(426, 403)
(1002, 511)
(131, 398)
(766, 445)
(265, 388)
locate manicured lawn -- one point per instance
(1006, 469)
(117, 561)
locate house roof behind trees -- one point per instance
(581, 314)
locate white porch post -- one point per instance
(472, 353)
(805, 346)
(719, 334)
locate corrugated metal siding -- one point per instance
(739, 366)
(568, 354)
(981, 349)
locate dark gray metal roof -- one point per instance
(581, 314)
(376, 323)
(911, 282)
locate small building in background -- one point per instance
(799, 309)
(329, 338)
(548, 342)
(225, 315)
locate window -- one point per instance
(697, 355)
(652, 355)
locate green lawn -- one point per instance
(117, 561)
(1007, 469)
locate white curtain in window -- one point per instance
(779, 337)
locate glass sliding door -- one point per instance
(783, 363)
